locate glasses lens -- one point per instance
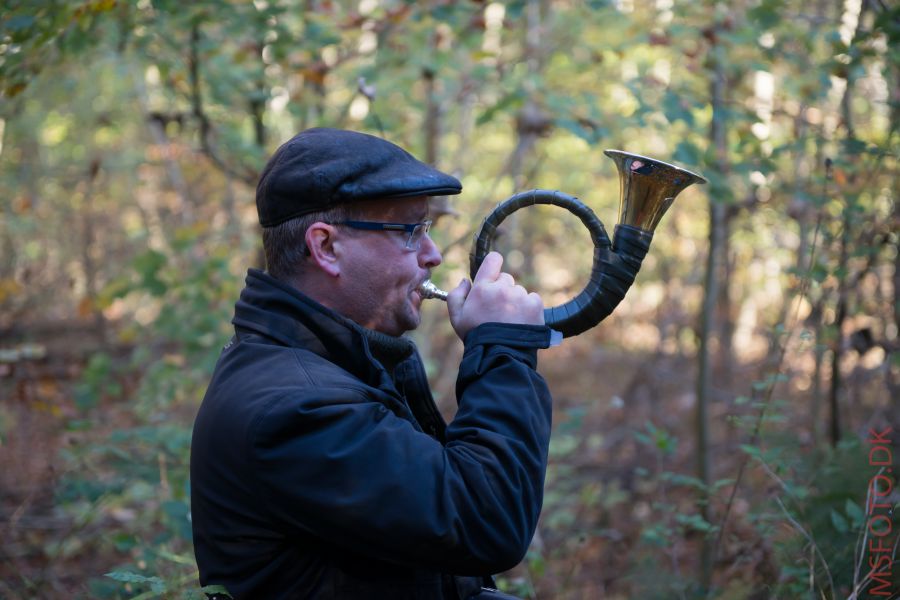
(415, 237)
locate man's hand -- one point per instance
(492, 297)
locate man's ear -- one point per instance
(320, 241)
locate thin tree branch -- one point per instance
(754, 438)
(809, 538)
(243, 174)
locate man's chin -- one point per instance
(406, 322)
(413, 316)
(411, 321)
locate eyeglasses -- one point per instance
(416, 231)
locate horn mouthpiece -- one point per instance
(428, 290)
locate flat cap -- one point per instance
(319, 168)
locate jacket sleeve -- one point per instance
(343, 468)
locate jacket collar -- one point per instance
(279, 311)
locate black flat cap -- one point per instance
(319, 168)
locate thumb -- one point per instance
(457, 297)
(490, 268)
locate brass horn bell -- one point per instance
(647, 188)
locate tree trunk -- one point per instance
(724, 319)
(838, 342)
(815, 411)
(843, 257)
(531, 123)
(89, 266)
(892, 376)
(439, 206)
(717, 235)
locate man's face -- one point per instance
(379, 275)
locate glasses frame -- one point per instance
(416, 231)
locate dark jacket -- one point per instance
(318, 473)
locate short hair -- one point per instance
(285, 244)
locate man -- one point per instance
(320, 465)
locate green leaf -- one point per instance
(156, 584)
(687, 153)
(215, 589)
(854, 146)
(588, 134)
(175, 509)
(839, 522)
(767, 15)
(657, 535)
(695, 522)
(18, 23)
(514, 9)
(855, 512)
(751, 450)
(674, 109)
(320, 30)
(85, 397)
(563, 445)
(685, 480)
(148, 266)
(513, 100)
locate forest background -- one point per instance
(713, 438)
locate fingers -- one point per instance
(492, 296)
(505, 279)
(489, 269)
(537, 305)
(457, 297)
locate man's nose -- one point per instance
(429, 255)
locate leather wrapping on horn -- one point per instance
(615, 265)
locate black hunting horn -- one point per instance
(647, 187)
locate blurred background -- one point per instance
(709, 437)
